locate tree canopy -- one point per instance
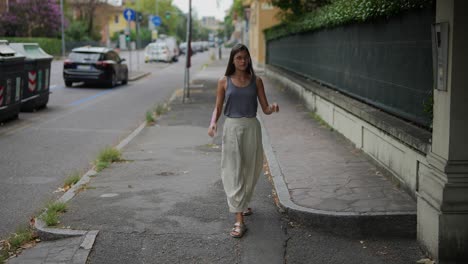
(294, 8)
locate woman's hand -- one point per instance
(212, 129)
(274, 108)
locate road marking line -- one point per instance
(53, 87)
(84, 100)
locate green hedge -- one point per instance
(50, 45)
(341, 12)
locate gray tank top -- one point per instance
(241, 101)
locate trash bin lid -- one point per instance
(7, 53)
(30, 50)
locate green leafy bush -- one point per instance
(77, 31)
(341, 12)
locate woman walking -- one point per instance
(242, 151)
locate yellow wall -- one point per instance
(262, 16)
(105, 17)
(105, 20)
(116, 27)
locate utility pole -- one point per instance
(188, 53)
(62, 18)
(156, 4)
(129, 43)
(139, 16)
(156, 28)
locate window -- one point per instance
(116, 19)
(112, 56)
(84, 56)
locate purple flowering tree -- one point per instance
(31, 18)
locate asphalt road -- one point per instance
(41, 149)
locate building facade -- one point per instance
(261, 15)
(210, 23)
(3, 6)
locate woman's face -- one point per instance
(241, 60)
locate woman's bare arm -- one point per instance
(220, 92)
(266, 108)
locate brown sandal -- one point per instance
(238, 230)
(247, 212)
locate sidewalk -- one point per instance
(165, 202)
(322, 180)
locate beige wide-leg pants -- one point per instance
(241, 161)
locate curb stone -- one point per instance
(138, 75)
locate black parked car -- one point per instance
(94, 65)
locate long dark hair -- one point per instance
(230, 69)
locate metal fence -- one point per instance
(387, 63)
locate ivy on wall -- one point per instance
(341, 12)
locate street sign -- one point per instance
(156, 20)
(129, 14)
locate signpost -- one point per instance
(129, 15)
(154, 34)
(156, 21)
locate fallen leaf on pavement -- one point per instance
(62, 189)
(425, 261)
(28, 245)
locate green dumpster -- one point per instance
(35, 90)
(11, 75)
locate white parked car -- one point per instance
(171, 43)
(160, 51)
(183, 48)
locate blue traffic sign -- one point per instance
(156, 20)
(129, 14)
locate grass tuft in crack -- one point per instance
(106, 157)
(14, 243)
(149, 117)
(51, 215)
(72, 180)
(161, 109)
